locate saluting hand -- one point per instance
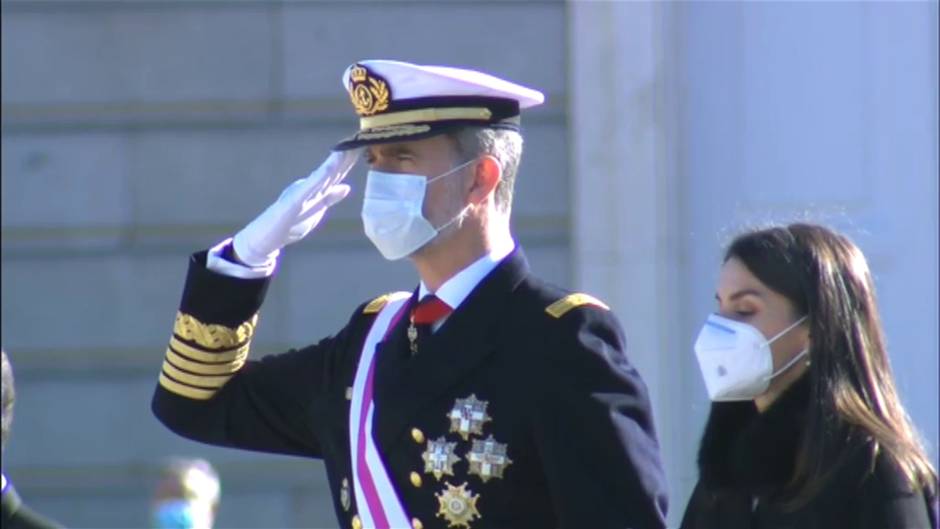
(296, 212)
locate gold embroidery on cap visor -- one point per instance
(422, 115)
(382, 133)
(369, 93)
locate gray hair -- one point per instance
(504, 145)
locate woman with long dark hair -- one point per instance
(806, 429)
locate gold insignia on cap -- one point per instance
(368, 92)
(439, 458)
(573, 301)
(457, 505)
(468, 416)
(488, 459)
(344, 498)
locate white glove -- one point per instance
(297, 211)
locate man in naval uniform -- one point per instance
(483, 398)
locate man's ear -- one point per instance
(486, 176)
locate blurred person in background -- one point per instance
(15, 515)
(806, 428)
(187, 495)
(483, 398)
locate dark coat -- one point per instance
(562, 396)
(746, 458)
(16, 515)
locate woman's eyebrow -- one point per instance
(740, 294)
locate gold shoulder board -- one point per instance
(377, 304)
(573, 301)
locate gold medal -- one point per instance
(457, 505)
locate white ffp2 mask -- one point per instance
(392, 213)
(736, 360)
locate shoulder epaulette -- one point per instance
(573, 301)
(377, 304)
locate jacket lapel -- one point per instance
(405, 384)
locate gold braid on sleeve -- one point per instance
(210, 335)
(200, 352)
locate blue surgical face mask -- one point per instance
(173, 514)
(392, 213)
(181, 514)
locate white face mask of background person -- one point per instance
(392, 212)
(736, 360)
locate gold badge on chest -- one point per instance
(488, 459)
(439, 458)
(468, 416)
(457, 505)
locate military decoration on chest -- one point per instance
(439, 458)
(468, 416)
(486, 458)
(458, 506)
(344, 496)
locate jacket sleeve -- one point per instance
(208, 391)
(887, 500)
(594, 430)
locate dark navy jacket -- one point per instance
(561, 397)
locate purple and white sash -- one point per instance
(376, 497)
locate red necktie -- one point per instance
(429, 310)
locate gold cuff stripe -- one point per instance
(183, 390)
(425, 115)
(213, 336)
(202, 369)
(200, 381)
(573, 301)
(221, 357)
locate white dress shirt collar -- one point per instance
(456, 289)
